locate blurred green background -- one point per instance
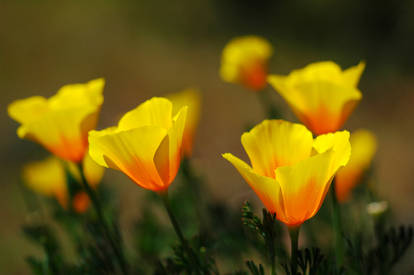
(149, 48)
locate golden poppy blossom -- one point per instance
(48, 177)
(290, 171)
(61, 123)
(244, 61)
(146, 145)
(192, 99)
(321, 95)
(364, 146)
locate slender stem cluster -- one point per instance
(337, 226)
(184, 243)
(108, 234)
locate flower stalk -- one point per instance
(98, 209)
(177, 229)
(268, 106)
(294, 240)
(337, 226)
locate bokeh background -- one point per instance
(149, 48)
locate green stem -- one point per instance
(188, 250)
(98, 209)
(337, 227)
(294, 240)
(273, 263)
(193, 182)
(269, 108)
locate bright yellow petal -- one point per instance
(29, 109)
(192, 99)
(353, 74)
(339, 143)
(266, 188)
(131, 151)
(156, 111)
(82, 95)
(364, 146)
(304, 187)
(275, 143)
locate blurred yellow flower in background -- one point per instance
(364, 146)
(146, 145)
(48, 177)
(245, 61)
(61, 123)
(290, 171)
(321, 95)
(192, 99)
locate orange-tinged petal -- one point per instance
(192, 99)
(244, 61)
(275, 143)
(131, 151)
(267, 189)
(321, 95)
(61, 123)
(303, 187)
(364, 146)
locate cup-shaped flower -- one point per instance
(364, 146)
(321, 95)
(245, 60)
(61, 123)
(146, 145)
(192, 99)
(290, 171)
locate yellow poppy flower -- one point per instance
(364, 146)
(244, 61)
(61, 123)
(192, 99)
(321, 95)
(146, 144)
(290, 171)
(48, 178)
